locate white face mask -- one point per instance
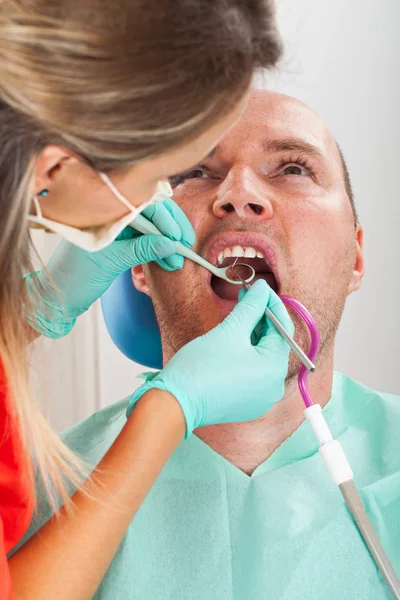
(96, 238)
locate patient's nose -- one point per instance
(245, 193)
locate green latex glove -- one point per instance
(222, 377)
(74, 279)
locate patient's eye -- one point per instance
(191, 174)
(295, 169)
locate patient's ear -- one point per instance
(359, 263)
(139, 280)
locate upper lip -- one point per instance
(246, 239)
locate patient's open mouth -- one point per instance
(243, 255)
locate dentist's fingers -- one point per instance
(171, 263)
(188, 234)
(163, 220)
(269, 333)
(279, 310)
(144, 249)
(264, 330)
(250, 309)
(170, 219)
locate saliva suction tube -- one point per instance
(312, 353)
(334, 457)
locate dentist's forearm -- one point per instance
(69, 556)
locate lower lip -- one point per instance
(225, 305)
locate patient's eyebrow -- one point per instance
(292, 145)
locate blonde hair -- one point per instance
(116, 82)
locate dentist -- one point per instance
(99, 104)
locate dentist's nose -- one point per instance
(244, 193)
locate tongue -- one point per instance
(230, 291)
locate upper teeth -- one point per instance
(239, 251)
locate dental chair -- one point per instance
(131, 322)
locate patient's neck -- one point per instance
(247, 445)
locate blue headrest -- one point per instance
(131, 322)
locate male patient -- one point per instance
(246, 511)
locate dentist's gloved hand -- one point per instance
(78, 278)
(222, 377)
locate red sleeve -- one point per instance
(5, 580)
(16, 492)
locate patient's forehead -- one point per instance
(270, 115)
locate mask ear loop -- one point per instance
(116, 193)
(38, 210)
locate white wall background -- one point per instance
(342, 58)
